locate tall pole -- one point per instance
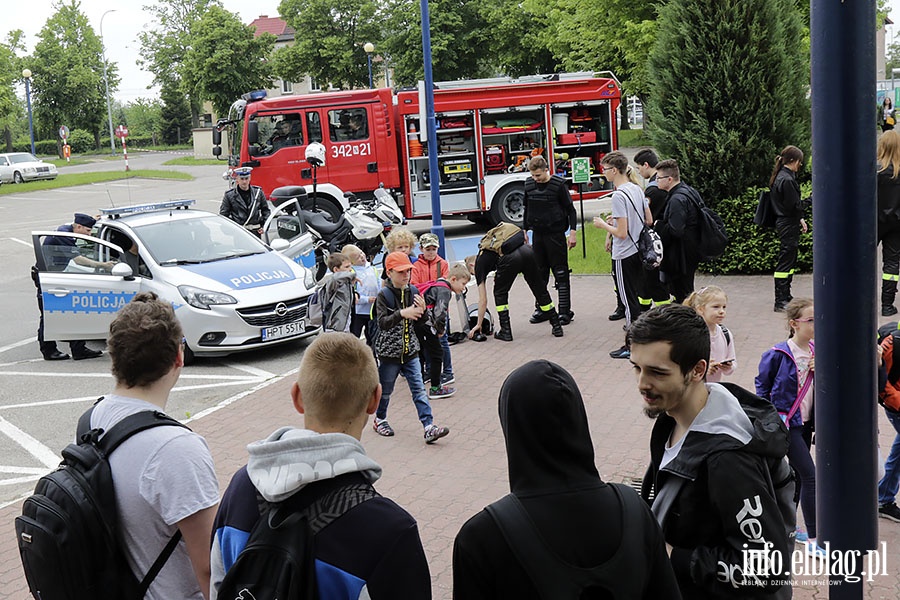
(431, 128)
(26, 74)
(845, 281)
(369, 48)
(112, 142)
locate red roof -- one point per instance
(273, 25)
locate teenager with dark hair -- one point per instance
(717, 467)
(679, 230)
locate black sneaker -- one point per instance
(890, 511)
(622, 352)
(888, 310)
(617, 316)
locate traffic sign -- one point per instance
(121, 131)
(64, 132)
(581, 170)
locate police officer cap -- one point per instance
(85, 220)
(243, 172)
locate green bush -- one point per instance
(752, 249)
(41, 147)
(133, 141)
(81, 141)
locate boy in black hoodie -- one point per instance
(589, 525)
(722, 485)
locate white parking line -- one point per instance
(252, 370)
(23, 242)
(237, 378)
(41, 452)
(17, 344)
(22, 470)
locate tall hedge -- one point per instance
(728, 90)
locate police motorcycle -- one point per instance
(365, 223)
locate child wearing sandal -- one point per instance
(397, 308)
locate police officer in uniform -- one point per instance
(63, 251)
(549, 212)
(246, 204)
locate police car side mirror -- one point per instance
(280, 245)
(123, 270)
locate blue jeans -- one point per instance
(445, 344)
(388, 373)
(889, 484)
(801, 461)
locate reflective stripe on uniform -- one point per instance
(890, 277)
(503, 307)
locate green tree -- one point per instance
(460, 40)
(328, 41)
(10, 105)
(144, 117)
(67, 67)
(225, 59)
(517, 42)
(175, 114)
(166, 45)
(728, 90)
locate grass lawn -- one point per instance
(190, 161)
(70, 179)
(633, 138)
(61, 162)
(598, 259)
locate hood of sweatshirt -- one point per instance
(732, 419)
(548, 442)
(291, 458)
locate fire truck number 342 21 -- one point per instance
(346, 150)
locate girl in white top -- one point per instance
(710, 303)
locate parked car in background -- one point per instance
(19, 167)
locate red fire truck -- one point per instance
(487, 130)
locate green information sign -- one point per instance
(581, 170)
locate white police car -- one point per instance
(230, 291)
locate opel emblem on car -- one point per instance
(281, 309)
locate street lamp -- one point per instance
(369, 48)
(112, 143)
(26, 73)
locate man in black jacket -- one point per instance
(549, 212)
(723, 491)
(246, 204)
(679, 230)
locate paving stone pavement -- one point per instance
(442, 485)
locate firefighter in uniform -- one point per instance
(549, 212)
(508, 267)
(246, 204)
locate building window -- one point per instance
(287, 87)
(314, 85)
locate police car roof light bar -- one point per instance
(140, 208)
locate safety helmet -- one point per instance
(315, 154)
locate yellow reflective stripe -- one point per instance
(782, 274)
(545, 308)
(644, 301)
(503, 307)
(664, 302)
(890, 277)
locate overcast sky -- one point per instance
(121, 28)
(120, 31)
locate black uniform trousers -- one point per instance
(629, 281)
(551, 254)
(522, 261)
(48, 347)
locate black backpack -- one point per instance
(765, 212)
(713, 235)
(279, 560)
(68, 534)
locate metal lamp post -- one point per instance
(369, 48)
(26, 74)
(112, 143)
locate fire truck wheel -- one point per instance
(509, 205)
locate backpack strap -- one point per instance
(726, 333)
(551, 576)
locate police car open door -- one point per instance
(83, 284)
